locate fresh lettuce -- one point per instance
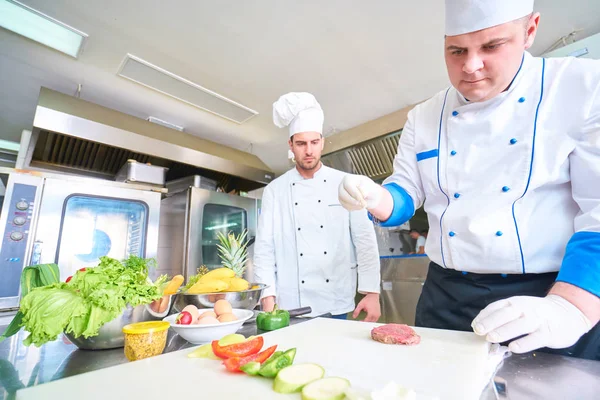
(90, 299)
(32, 277)
(47, 310)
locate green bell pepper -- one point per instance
(272, 366)
(276, 319)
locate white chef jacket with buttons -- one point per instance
(509, 182)
(309, 249)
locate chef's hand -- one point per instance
(268, 303)
(549, 321)
(370, 305)
(357, 192)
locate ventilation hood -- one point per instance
(75, 136)
(373, 158)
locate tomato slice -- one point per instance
(243, 349)
(233, 364)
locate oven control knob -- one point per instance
(22, 205)
(19, 221)
(16, 236)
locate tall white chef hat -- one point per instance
(465, 16)
(300, 111)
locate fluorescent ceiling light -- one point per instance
(34, 25)
(163, 81)
(12, 146)
(229, 225)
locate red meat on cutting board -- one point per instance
(395, 334)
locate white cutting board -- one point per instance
(446, 365)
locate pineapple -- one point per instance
(202, 270)
(233, 252)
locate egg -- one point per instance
(207, 314)
(208, 320)
(222, 307)
(193, 310)
(227, 317)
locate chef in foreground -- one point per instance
(309, 249)
(507, 164)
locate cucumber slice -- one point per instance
(293, 378)
(331, 388)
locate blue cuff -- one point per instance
(404, 207)
(581, 265)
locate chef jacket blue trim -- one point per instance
(438, 176)
(404, 207)
(513, 79)
(427, 154)
(581, 264)
(530, 163)
(403, 256)
(519, 70)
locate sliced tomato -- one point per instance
(242, 349)
(68, 279)
(233, 364)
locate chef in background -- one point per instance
(309, 249)
(420, 245)
(507, 163)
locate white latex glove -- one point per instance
(549, 321)
(358, 191)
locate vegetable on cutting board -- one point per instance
(251, 368)
(293, 378)
(330, 388)
(275, 364)
(205, 351)
(270, 321)
(234, 364)
(243, 349)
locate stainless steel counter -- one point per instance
(533, 376)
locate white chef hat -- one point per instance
(300, 111)
(465, 16)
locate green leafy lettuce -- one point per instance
(90, 299)
(32, 277)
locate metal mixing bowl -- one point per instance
(111, 334)
(245, 299)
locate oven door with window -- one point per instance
(81, 222)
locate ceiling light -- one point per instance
(34, 25)
(165, 123)
(163, 81)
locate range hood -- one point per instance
(75, 136)
(373, 158)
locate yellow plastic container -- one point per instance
(145, 339)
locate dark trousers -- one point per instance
(452, 299)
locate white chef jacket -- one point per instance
(309, 248)
(508, 182)
(420, 242)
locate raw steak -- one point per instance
(395, 334)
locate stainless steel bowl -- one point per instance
(246, 299)
(111, 334)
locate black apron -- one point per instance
(452, 299)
